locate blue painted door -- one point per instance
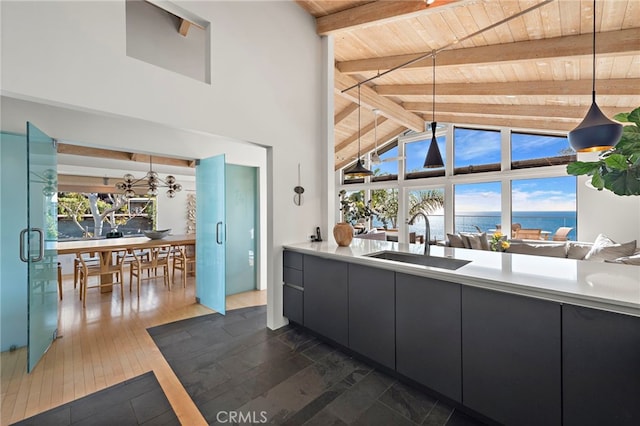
(211, 233)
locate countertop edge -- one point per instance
(616, 306)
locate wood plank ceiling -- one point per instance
(532, 72)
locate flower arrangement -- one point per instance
(498, 243)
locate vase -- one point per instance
(343, 233)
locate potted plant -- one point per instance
(618, 169)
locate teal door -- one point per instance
(38, 244)
(211, 233)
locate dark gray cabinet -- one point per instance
(372, 313)
(293, 289)
(428, 343)
(326, 298)
(600, 367)
(511, 366)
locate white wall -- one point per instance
(603, 212)
(266, 83)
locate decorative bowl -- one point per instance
(156, 235)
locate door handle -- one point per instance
(40, 256)
(41, 248)
(22, 256)
(218, 227)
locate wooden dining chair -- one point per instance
(158, 260)
(89, 259)
(103, 269)
(184, 259)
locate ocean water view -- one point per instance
(548, 221)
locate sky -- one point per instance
(545, 194)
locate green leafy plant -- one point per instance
(353, 206)
(618, 169)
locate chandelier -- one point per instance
(149, 183)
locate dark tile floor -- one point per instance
(234, 366)
(137, 401)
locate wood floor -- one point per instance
(104, 344)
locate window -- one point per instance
(416, 152)
(431, 201)
(384, 203)
(352, 206)
(530, 150)
(477, 206)
(546, 204)
(388, 168)
(476, 150)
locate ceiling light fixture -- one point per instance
(150, 183)
(358, 169)
(375, 158)
(596, 132)
(433, 159)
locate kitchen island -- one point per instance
(519, 339)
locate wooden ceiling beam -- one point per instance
(86, 151)
(376, 13)
(347, 111)
(184, 27)
(577, 112)
(622, 86)
(526, 123)
(354, 137)
(611, 43)
(369, 146)
(74, 183)
(371, 100)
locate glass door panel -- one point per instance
(241, 204)
(211, 233)
(38, 243)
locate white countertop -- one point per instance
(606, 286)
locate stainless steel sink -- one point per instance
(420, 259)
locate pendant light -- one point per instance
(375, 158)
(433, 159)
(358, 169)
(596, 132)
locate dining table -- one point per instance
(104, 247)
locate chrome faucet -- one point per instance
(427, 236)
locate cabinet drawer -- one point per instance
(292, 276)
(292, 304)
(292, 260)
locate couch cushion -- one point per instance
(578, 250)
(604, 248)
(550, 250)
(628, 260)
(455, 240)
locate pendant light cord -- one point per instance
(433, 92)
(359, 108)
(375, 129)
(593, 78)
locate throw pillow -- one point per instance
(476, 241)
(604, 248)
(455, 241)
(578, 250)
